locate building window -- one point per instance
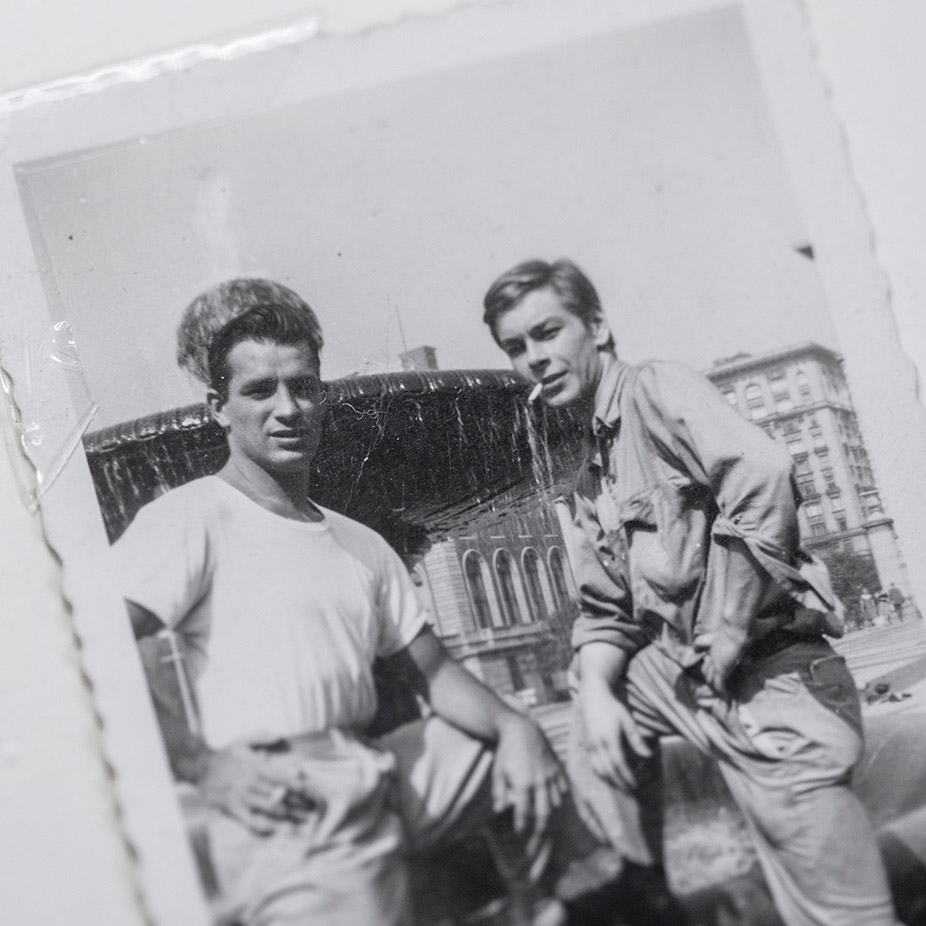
(818, 529)
(796, 447)
(803, 386)
(531, 563)
(504, 572)
(755, 401)
(473, 568)
(841, 523)
(558, 574)
(808, 487)
(814, 510)
(780, 392)
(729, 395)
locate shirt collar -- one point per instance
(607, 416)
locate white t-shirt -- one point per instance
(280, 620)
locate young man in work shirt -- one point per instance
(696, 616)
(281, 607)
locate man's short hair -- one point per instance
(240, 310)
(573, 287)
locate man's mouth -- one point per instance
(289, 434)
(551, 380)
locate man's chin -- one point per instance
(561, 398)
(291, 461)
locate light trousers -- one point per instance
(785, 743)
(412, 791)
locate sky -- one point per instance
(648, 156)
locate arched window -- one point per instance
(509, 600)
(531, 564)
(755, 401)
(475, 585)
(559, 578)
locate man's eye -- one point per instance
(307, 388)
(547, 334)
(260, 391)
(513, 348)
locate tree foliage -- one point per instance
(851, 572)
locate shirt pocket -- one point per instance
(663, 543)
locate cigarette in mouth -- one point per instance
(535, 393)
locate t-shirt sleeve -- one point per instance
(161, 562)
(402, 615)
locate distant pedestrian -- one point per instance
(896, 596)
(883, 606)
(867, 609)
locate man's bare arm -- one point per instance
(609, 726)
(526, 773)
(254, 787)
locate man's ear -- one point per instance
(600, 331)
(216, 404)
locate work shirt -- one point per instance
(672, 473)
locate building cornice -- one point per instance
(742, 365)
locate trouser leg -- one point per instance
(798, 711)
(629, 820)
(443, 793)
(344, 866)
(786, 746)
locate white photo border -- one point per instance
(880, 375)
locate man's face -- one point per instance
(274, 412)
(550, 345)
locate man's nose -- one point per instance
(536, 355)
(287, 405)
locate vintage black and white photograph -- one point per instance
(473, 496)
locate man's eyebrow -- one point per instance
(540, 325)
(256, 381)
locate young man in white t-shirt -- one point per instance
(281, 607)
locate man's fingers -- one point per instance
(542, 807)
(499, 788)
(631, 733)
(635, 740)
(521, 804)
(557, 791)
(256, 822)
(620, 766)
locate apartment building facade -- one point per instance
(799, 396)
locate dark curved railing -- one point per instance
(414, 455)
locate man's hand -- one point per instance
(722, 651)
(610, 731)
(526, 776)
(257, 788)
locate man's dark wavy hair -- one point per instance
(239, 310)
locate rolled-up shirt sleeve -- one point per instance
(605, 603)
(749, 475)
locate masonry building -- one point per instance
(800, 397)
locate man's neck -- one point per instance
(586, 409)
(284, 492)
